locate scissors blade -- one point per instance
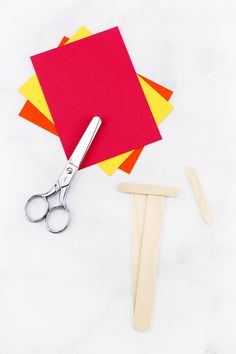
(85, 142)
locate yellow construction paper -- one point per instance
(160, 108)
(33, 92)
(110, 166)
(83, 32)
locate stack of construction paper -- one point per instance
(90, 75)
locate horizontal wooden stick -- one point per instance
(147, 189)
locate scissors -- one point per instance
(63, 183)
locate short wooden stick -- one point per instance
(199, 195)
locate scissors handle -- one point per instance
(64, 219)
(61, 209)
(42, 209)
(45, 212)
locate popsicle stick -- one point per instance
(148, 189)
(148, 262)
(138, 205)
(199, 195)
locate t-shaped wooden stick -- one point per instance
(147, 212)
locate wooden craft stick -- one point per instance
(138, 206)
(199, 195)
(148, 262)
(148, 189)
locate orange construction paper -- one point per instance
(63, 41)
(32, 114)
(166, 93)
(129, 163)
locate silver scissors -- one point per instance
(63, 184)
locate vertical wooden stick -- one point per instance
(138, 205)
(146, 278)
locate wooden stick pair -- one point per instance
(147, 214)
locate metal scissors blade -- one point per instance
(85, 142)
(63, 183)
(79, 153)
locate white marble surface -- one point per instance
(71, 293)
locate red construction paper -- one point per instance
(95, 76)
(33, 115)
